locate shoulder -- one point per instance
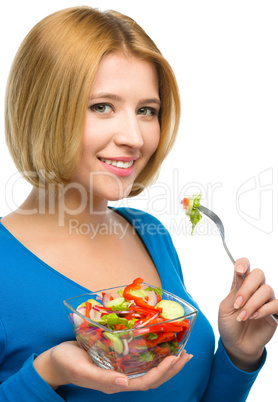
(8, 249)
(6, 238)
(151, 229)
(10, 228)
(11, 250)
(136, 214)
(142, 220)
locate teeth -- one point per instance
(120, 164)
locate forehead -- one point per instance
(119, 72)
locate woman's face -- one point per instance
(122, 129)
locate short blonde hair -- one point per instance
(49, 85)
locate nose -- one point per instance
(129, 131)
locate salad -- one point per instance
(191, 205)
(133, 331)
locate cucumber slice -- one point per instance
(116, 342)
(117, 302)
(170, 309)
(138, 293)
(100, 345)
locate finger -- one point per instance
(83, 372)
(107, 381)
(177, 364)
(262, 296)
(160, 374)
(249, 286)
(147, 381)
(266, 310)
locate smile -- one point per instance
(119, 164)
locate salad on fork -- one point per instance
(192, 208)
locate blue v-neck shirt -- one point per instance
(27, 284)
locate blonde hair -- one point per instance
(49, 85)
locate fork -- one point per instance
(220, 226)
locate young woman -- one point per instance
(92, 109)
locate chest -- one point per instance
(41, 285)
(100, 262)
(103, 266)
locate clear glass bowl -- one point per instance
(127, 351)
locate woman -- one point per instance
(92, 110)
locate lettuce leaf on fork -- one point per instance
(191, 205)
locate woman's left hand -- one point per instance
(245, 321)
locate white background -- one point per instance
(224, 54)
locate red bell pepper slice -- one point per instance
(163, 350)
(181, 334)
(119, 327)
(142, 310)
(167, 327)
(139, 301)
(184, 203)
(162, 327)
(164, 337)
(185, 323)
(137, 342)
(88, 309)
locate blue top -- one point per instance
(26, 330)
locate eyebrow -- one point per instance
(118, 98)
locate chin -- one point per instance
(113, 193)
(117, 197)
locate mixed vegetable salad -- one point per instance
(131, 332)
(191, 205)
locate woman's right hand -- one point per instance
(67, 363)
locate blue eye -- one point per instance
(101, 108)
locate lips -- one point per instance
(120, 166)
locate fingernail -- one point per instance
(240, 269)
(121, 381)
(241, 316)
(238, 302)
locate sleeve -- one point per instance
(26, 384)
(227, 382)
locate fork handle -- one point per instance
(275, 318)
(228, 252)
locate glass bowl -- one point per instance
(132, 351)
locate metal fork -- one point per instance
(220, 226)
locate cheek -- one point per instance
(96, 132)
(152, 141)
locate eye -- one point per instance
(147, 111)
(102, 108)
